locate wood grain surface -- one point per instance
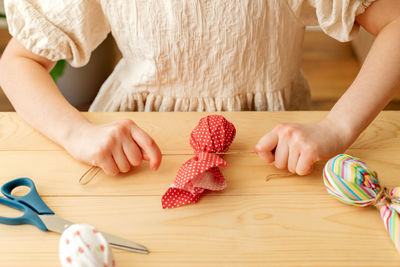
(265, 216)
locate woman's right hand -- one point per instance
(114, 147)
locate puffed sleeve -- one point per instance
(58, 29)
(337, 18)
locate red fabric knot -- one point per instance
(213, 134)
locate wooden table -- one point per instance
(282, 221)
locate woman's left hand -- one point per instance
(298, 146)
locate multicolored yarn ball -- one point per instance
(351, 181)
(82, 245)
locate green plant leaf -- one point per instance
(58, 70)
(2, 16)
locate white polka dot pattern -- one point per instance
(213, 134)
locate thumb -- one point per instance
(266, 146)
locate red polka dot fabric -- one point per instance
(213, 134)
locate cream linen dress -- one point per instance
(194, 55)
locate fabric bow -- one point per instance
(351, 181)
(213, 134)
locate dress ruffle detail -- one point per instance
(115, 97)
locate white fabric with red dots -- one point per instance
(213, 134)
(82, 245)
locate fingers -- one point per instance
(145, 156)
(123, 148)
(121, 159)
(305, 164)
(118, 146)
(148, 146)
(265, 147)
(293, 160)
(108, 165)
(136, 146)
(300, 163)
(281, 155)
(293, 149)
(132, 151)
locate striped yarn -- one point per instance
(350, 180)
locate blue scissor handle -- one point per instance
(29, 217)
(32, 199)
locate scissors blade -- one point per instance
(57, 224)
(121, 243)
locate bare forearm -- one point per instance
(375, 85)
(37, 99)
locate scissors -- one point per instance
(38, 214)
